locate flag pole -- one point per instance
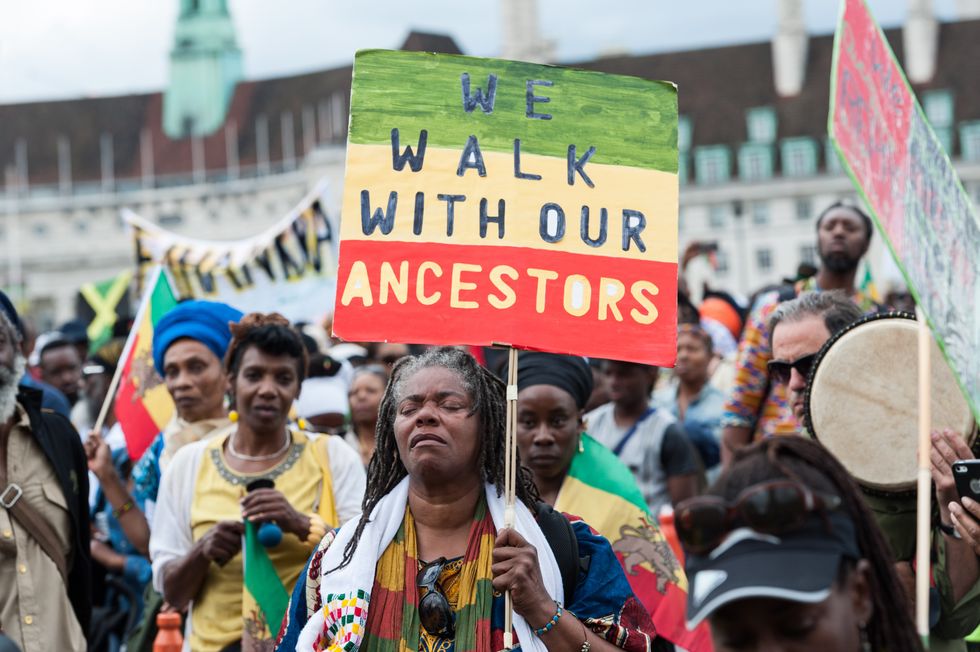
(924, 488)
(510, 479)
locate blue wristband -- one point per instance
(551, 623)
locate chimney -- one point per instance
(789, 49)
(522, 40)
(921, 41)
(967, 9)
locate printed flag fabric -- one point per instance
(600, 489)
(143, 405)
(264, 598)
(868, 286)
(103, 298)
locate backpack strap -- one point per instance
(561, 537)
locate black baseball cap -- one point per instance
(799, 566)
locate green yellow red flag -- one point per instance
(143, 404)
(601, 490)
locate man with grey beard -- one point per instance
(45, 575)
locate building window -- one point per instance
(830, 156)
(970, 140)
(761, 124)
(799, 156)
(683, 133)
(804, 208)
(760, 212)
(40, 229)
(716, 216)
(170, 219)
(754, 162)
(763, 259)
(721, 262)
(808, 254)
(711, 164)
(682, 168)
(938, 107)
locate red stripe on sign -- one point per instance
(424, 293)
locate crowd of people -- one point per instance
(374, 475)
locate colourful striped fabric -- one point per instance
(143, 405)
(393, 620)
(601, 490)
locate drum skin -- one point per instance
(862, 400)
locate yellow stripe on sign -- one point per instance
(617, 188)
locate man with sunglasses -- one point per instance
(799, 329)
(757, 407)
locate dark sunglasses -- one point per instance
(779, 370)
(435, 614)
(773, 507)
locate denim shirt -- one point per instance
(702, 420)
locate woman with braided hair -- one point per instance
(209, 497)
(426, 565)
(782, 553)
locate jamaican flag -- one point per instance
(101, 304)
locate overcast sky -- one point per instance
(71, 48)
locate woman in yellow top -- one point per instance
(204, 509)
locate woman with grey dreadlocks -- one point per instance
(428, 563)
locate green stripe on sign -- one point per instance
(630, 121)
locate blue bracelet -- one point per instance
(551, 623)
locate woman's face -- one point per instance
(548, 427)
(757, 624)
(692, 358)
(265, 388)
(437, 436)
(365, 397)
(195, 379)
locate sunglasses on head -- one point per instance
(772, 507)
(779, 370)
(435, 614)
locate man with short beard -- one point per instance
(757, 407)
(45, 602)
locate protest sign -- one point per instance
(289, 268)
(491, 201)
(908, 181)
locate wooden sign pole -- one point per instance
(924, 488)
(510, 479)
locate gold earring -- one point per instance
(581, 446)
(233, 416)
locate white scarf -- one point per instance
(345, 593)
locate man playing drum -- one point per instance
(803, 331)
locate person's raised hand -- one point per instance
(947, 447)
(222, 542)
(516, 569)
(99, 456)
(262, 505)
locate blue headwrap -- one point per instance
(204, 321)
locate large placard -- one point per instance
(908, 181)
(491, 201)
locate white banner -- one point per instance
(290, 268)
